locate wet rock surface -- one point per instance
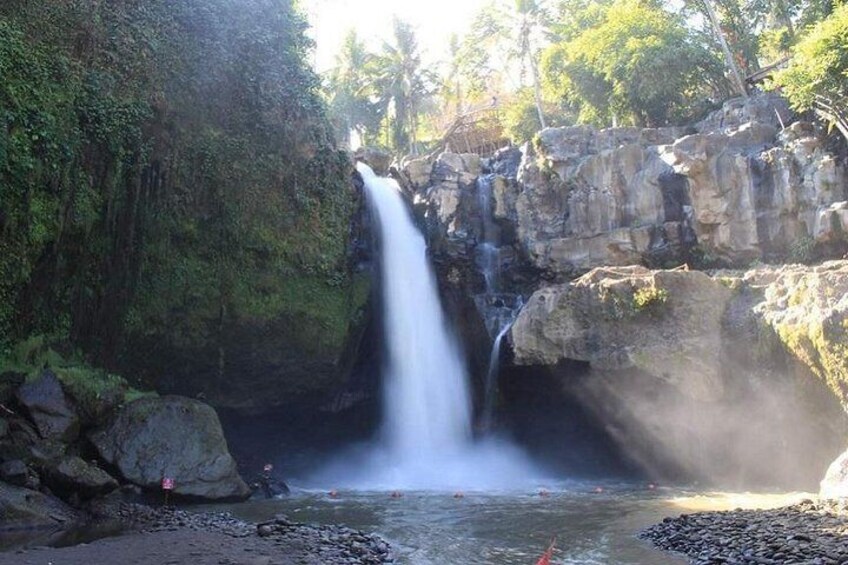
(810, 533)
(166, 535)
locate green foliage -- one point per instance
(380, 95)
(802, 250)
(819, 64)
(774, 44)
(167, 171)
(649, 297)
(520, 117)
(349, 92)
(88, 386)
(610, 69)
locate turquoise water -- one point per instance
(428, 528)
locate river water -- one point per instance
(431, 528)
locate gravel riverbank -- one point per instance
(169, 537)
(809, 532)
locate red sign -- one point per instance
(167, 483)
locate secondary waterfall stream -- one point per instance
(499, 309)
(426, 441)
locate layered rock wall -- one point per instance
(746, 183)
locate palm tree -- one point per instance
(518, 27)
(349, 91)
(401, 85)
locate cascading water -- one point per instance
(487, 419)
(498, 309)
(427, 408)
(427, 442)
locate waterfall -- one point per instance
(498, 309)
(487, 418)
(427, 403)
(426, 441)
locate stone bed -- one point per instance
(166, 536)
(809, 533)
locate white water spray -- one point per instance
(427, 439)
(427, 403)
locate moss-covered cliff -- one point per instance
(171, 201)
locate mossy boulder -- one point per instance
(172, 437)
(666, 323)
(807, 307)
(45, 401)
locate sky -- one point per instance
(433, 20)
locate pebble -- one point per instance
(334, 544)
(810, 533)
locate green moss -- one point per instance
(88, 386)
(167, 172)
(823, 348)
(802, 250)
(649, 298)
(731, 283)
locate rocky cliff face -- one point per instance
(733, 188)
(676, 361)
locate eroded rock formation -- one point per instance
(677, 360)
(746, 183)
(715, 372)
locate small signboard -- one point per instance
(167, 483)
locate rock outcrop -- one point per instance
(808, 309)
(49, 408)
(678, 361)
(665, 323)
(736, 187)
(173, 437)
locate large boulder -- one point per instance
(671, 324)
(175, 437)
(21, 507)
(665, 323)
(49, 408)
(675, 362)
(378, 158)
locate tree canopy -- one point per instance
(599, 62)
(820, 63)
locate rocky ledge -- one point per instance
(809, 532)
